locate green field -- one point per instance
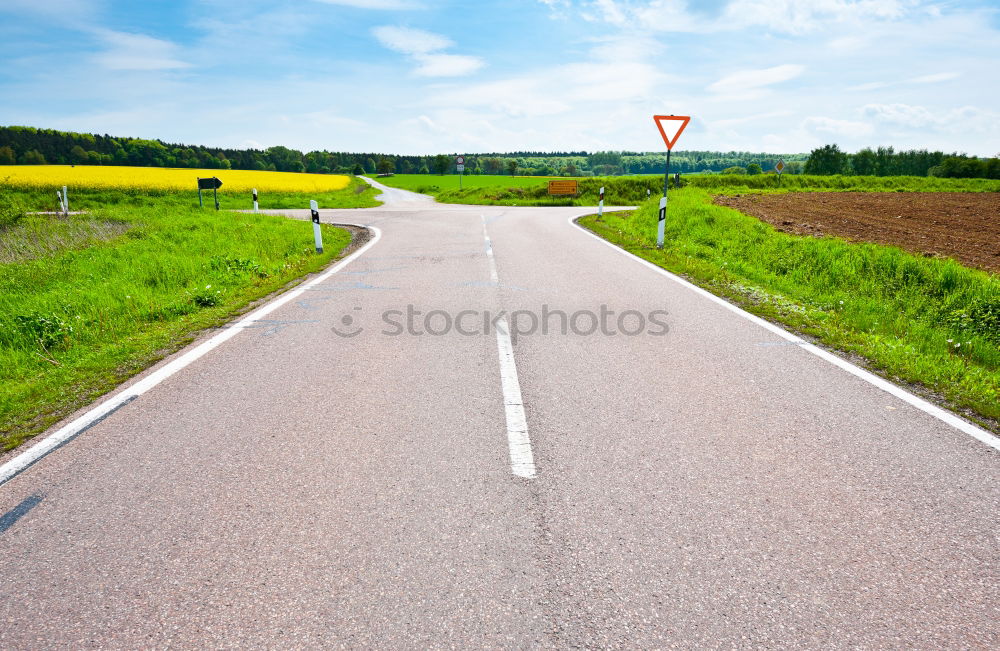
(433, 183)
(87, 301)
(631, 190)
(927, 321)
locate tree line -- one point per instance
(885, 161)
(33, 146)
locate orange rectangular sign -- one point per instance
(563, 187)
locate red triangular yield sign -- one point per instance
(683, 119)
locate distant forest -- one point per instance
(32, 146)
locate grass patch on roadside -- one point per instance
(90, 300)
(926, 321)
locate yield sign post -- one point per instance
(675, 126)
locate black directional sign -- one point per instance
(212, 183)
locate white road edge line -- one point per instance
(931, 409)
(522, 460)
(24, 460)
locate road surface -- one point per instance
(321, 480)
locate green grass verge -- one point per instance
(632, 190)
(925, 321)
(88, 301)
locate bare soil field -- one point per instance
(961, 225)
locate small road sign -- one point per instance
(460, 160)
(209, 184)
(212, 184)
(460, 167)
(563, 188)
(780, 167)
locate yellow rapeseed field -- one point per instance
(158, 178)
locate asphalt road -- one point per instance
(702, 483)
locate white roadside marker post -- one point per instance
(314, 209)
(255, 209)
(600, 205)
(662, 222)
(65, 202)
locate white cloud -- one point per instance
(425, 50)
(374, 4)
(965, 119)
(782, 16)
(446, 65)
(798, 17)
(871, 85)
(925, 79)
(732, 122)
(671, 16)
(410, 41)
(915, 116)
(935, 78)
(59, 10)
(752, 79)
(608, 11)
(842, 128)
(137, 52)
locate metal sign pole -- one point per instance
(661, 224)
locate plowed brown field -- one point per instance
(964, 226)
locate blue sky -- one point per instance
(423, 76)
